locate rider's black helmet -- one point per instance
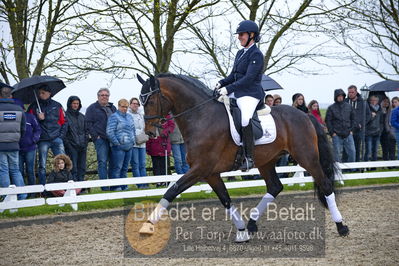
(248, 26)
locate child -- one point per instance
(62, 166)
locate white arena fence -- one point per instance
(11, 202)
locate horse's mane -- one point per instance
(198, 85)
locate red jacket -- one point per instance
(316, 114)
(157, 146)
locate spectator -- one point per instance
(395, 120)
(339, 121)
(283, 161)
(269, 100)
(12, 128)
(76, 139)
(28, 147)
(53, 123)
(395, 102)
(120, 132)
(387, 139)
(61, 173)
(159, 148)
(277, 99)
(373, 129)
(97, 115)
(178, 151)
(313, 108)
(138, 160)
(362, 116)
(298, 101)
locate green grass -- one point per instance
(110, 204)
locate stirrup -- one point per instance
(247, 164)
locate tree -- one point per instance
(40, 39)
(293, 35)
(369, 31)
(144, 30)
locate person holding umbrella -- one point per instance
(53, 123)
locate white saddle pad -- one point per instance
(268, 126)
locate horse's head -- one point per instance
(156, 105)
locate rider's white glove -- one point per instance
(223, 91)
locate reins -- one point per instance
(190, 109)
(164, 119)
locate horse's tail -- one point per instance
(326, 158)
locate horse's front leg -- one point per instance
(185, 182)
(274, 187)
(219, 188)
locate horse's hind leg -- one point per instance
(325, 186)
(219, 188)
(274, 187)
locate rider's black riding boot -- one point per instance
(248, 145)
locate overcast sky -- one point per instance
(320, 88)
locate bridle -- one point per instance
(155, 89)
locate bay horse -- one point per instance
(204, 125)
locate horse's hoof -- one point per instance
(242, 236)
(343, 230)
(252, 227)
(147, 228)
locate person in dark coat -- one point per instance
(298, 101)
(61, 173)
(340, 121)
(76, 138)
(244, 84)
(361, 116)
(373, 129)
(28, 146)
(12, 127)
(52, 121)
(96, 119)
(387, 139)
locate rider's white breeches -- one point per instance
(247, 105)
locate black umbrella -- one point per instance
(26, 89)
(269, 84)
(386, 85)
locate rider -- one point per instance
(244, 84)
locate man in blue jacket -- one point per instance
(97, 115)
(395, 124)
(12, 128)
(244, 84)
